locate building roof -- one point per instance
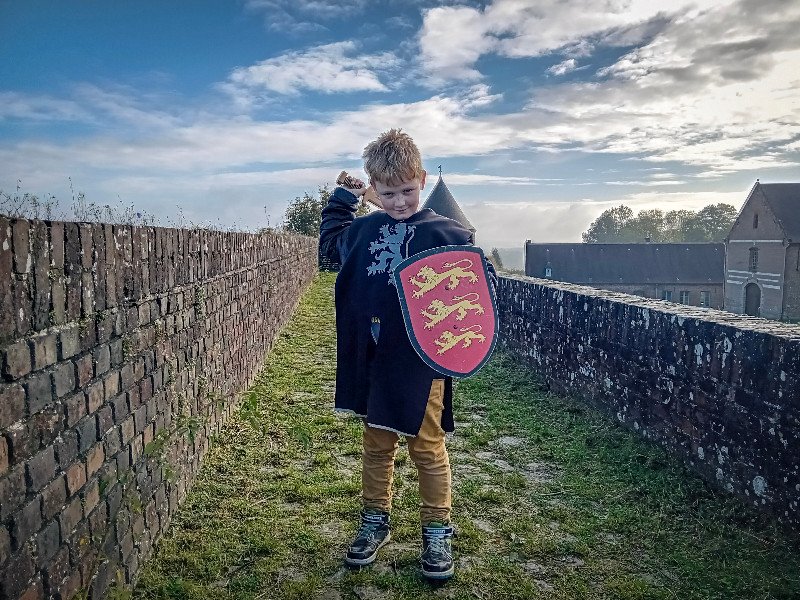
(632, 264)
(441, 201)
(784, 201)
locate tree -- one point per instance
(619, 225)
(713, 222)
(304, 213)
(609, 226)
(498, 262)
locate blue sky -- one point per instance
(542, 113)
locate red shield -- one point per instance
(449, 310)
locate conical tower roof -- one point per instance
(441, 201)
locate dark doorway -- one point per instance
(752, 299)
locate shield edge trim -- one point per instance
(407, 317)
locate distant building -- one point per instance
(687, 273)
(441, 201)
(762, 275)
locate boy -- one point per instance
(379, 376)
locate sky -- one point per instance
(541, 113)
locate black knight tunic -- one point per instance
(379, 375)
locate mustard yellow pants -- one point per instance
(427, 451)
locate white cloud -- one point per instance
(15, 105)
(456, 179)
(563, 67)
(452, 39)
(301, 17)
(328, 69)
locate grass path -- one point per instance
(550, 499)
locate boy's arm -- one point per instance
(337, 217)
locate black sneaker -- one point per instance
(373, 533)
(437, 551)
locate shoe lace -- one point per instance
(437, 543)
(368, 527)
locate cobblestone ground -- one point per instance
(550, 501)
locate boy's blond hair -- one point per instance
(392, 158)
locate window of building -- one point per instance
(666, 295)
(705, 298)
(548, 272)
(755, 221)
(754, 259)
(684, 297)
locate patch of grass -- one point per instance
(551, 499)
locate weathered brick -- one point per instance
(88, 306)
(3, 455)
(26, 522)
(47, 542)
(57, 570)
(85, 369)
(69, 518)
(22, 257)
(53, 497)
(102, 360)
(128, 429)
(23, 306)
(111, 384)
(40, 469)
(10, 497)
(87, 432)
(95, 396)
(69, 342)
(72, 270)
(105, 420)
(74, 408)
(105, 326)
(12, 404)
(58, 298)
(40, 247)
(35, 590)
(23, 441)
(94, 460)
(88, 334)
(5, 544)
(76, 478)
(57, 245)
(119, 404)
(112, 443)
(47, 424)
(117, 353)
(17, 573)
(44, 350)
(91, 497)
(39, 388)
(17, 360)
(7, 327)
(64, 379)
(126, 376)
(70, 586)
(67, 448)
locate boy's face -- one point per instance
(400, 201)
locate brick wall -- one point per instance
(123, 349)
(722, 391)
